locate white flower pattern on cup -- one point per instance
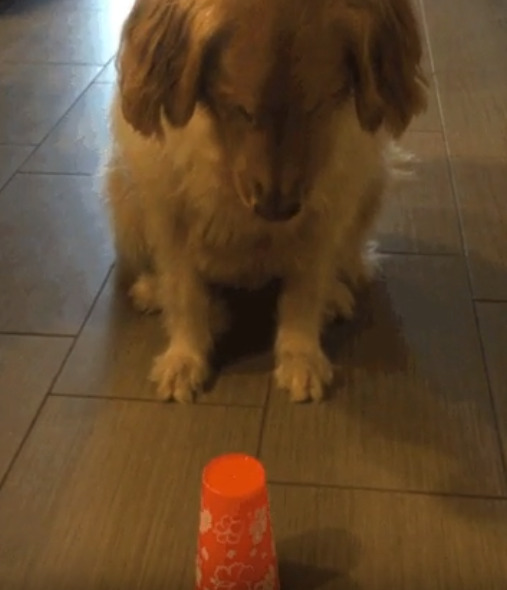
(228, 530)
(206, 521)
(269, 581)
(236, 577)
(198, 572)
(232, 577)
(259, 525)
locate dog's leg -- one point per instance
(144, 293)
(182, 370)
(302, 367)
(357, 258)
(127, 224)
(356, 268)
(340, 301)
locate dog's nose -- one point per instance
(274, 207)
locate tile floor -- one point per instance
(398, 482)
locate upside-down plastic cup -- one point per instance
(236, 549)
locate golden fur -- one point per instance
(250, 142)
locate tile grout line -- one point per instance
(35, 334)
(405, 492)
(16, 170)
(486, 300)
(20, 172)
(38, 412)
(151, 401)
(427, 38)
(265, 407)
(18, 144)
(37, 145)
(494, 405)
(464, 246)
(420, 254)
(55, 63)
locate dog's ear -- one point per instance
(385, 53)
(159, 63)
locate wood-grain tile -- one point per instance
(114, 352)
(430, 119)
(28, 365)
(418, 7)
(105, 494)
(481, 189)
(414, 410)
(354, 540)
(108, 74)
(467, 35)
(474, 104)
(63, 35)
(34, 97)
(419, 213)
(78, 143)
(493, 324)
(11, 157)
(55, 253)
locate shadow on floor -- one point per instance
(330, 546)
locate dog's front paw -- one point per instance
(178, 375)
(303, 375)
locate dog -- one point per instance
(251, 141)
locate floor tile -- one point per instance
(55, 252)
(108, 74)
(113, 356)
(19, 16)
(77, 144)
(474, 104)
(418, 7)
(34, 97)
(429, 120)
(420, 214)
(352, 540)
(11, 157)
(27, 367)
(481, 188)
(63, 35)
(118, 8)
(31, 9)
(107, 493)
(467, 34)
(413, 412)
(493, 324)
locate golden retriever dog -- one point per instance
(250, 142)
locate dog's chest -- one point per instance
(248, 261)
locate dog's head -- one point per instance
(271, 74)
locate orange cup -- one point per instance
(236, 549)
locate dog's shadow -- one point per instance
(335, 550)
(253, 323)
